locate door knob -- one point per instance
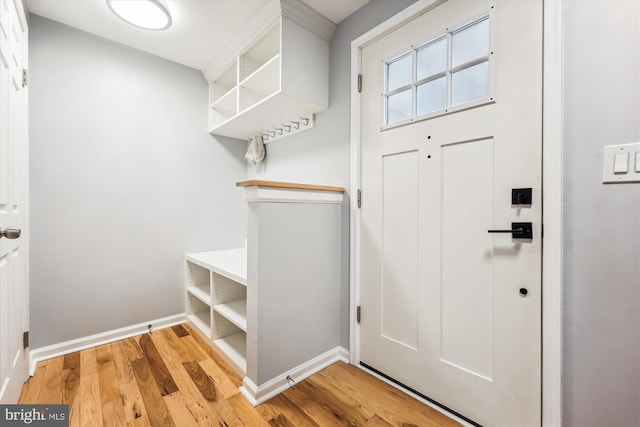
(519, 230)
(10, 232)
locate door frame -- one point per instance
(551, 198)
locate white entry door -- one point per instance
(14, 312)
(451, 124)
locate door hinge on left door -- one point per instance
(359, 82)
(25, 77)
(25, 339)
(358, 314)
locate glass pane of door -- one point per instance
(470, 84)
(399, 72)
(432, 96)
(432, 59)
(470, 43)
(399, 106)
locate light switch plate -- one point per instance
(612, 172)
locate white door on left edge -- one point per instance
(14, 312)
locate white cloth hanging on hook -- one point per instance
(256, 151)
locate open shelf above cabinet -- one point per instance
(228, 102)
(280, 76)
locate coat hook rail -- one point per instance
(296, 126)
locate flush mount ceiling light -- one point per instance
(145, 14)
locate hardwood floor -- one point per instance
(171, 377)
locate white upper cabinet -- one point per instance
(280, 76)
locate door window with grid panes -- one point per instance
(448, 73)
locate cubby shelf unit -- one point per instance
(293, 260)
(216, 286)
(280, 76)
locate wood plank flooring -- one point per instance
(171, 377)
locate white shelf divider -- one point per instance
(200, 294)
(269, 71)
(235, 312)
(228, 102)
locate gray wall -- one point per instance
(602, 222)
(125, 179)
(322, 155)
(293, 292)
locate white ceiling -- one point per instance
(201, 28)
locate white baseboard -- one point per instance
(259, 394)
(78, 344)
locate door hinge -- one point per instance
(25, 339)
(359, 82)
(358, 314)
(359, 198)
(25, 77)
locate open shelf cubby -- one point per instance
(199, 281)
(263, 83)
(216, 285)
(199, 313)
(261, 52)
(234, 347)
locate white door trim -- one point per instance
(552, 196)
(552, 185)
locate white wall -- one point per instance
(601, 384)
(124, 178)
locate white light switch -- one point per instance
(621, 163)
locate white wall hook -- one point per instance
(275, 133)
